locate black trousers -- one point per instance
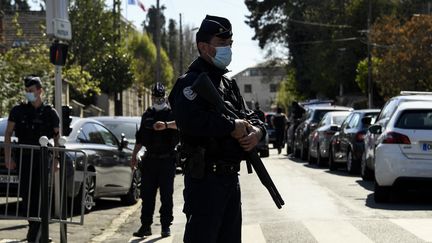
(213, 209)
(157, 174)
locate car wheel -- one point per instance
(351, 164)
(366, 173)
(332, 165)
(303, 152)
(382, 193)
(264, 153)
(320, 160)
(311, 160)
(88, 188)
(134, 192)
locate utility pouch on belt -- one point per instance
(194, 164)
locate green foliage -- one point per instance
(362, 72)
(287, 91)
(17, 63)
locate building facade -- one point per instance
(260, 84)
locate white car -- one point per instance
(403, 149)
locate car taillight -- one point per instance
(360, 136)
(395, 138)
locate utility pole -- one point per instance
(370, 88)
(158, 43)
(118, 96)
(181, 47)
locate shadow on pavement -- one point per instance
(341, 172)
(403, 200)
(146, 240)
(368, 185)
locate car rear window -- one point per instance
(338, 119)
(415, 119)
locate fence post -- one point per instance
(43, 141)
(64, 191)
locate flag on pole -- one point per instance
(141, 5)
(131, 2)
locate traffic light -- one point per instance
(66, 120)
(58, 53)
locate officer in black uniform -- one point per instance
(158, 133)
(30, 121)
(213, 144)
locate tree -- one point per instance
(405, 51)
(18, 5)
(173, 45)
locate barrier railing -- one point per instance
(46, 186)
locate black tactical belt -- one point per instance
(223, 169)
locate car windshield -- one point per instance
(319, 114)
(338, 119)
(415, 119)
(128, 128)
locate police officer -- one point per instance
(30, 121)
(158, 133)
(213, 144)
(279, 122)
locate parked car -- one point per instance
(313, 115)
(121, 126)
(403, 149)
(347, 146)
(320, 138)
(367, 163)
(108, 158)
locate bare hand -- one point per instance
(240, 129)
(133, 162)
(250, 141)
(159, 126)
(11, 165)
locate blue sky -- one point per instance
(246, 52)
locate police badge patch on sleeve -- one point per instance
(189, 93)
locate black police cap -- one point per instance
(32, 80)
(216, 26)
(158, 90)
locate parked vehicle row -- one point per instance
(392, 146)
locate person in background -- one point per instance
(158, 133)
(279, 122)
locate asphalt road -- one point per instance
(320, 206)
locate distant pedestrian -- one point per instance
(158, 133)
(30, 121)
(279, 122)
(259, 112)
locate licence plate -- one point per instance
(10, 179)
(427, 146)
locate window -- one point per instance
(354, 121)
(89, 134)
(415, 119)
(273, 88)
(107, 137)
(346, 121)
(254, 72)
(248, 88)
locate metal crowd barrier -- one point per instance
(61, 188)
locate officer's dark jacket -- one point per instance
(31, 123)
(157, 142)
(199, 123)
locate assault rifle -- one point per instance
(206, 90)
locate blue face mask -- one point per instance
(223, 57)
(30, 96)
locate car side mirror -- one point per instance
(367, 120)
(334, 128)
(375, 129)
(123, 142)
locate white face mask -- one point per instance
(30, 96)
(160, 107)
(223, 57)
